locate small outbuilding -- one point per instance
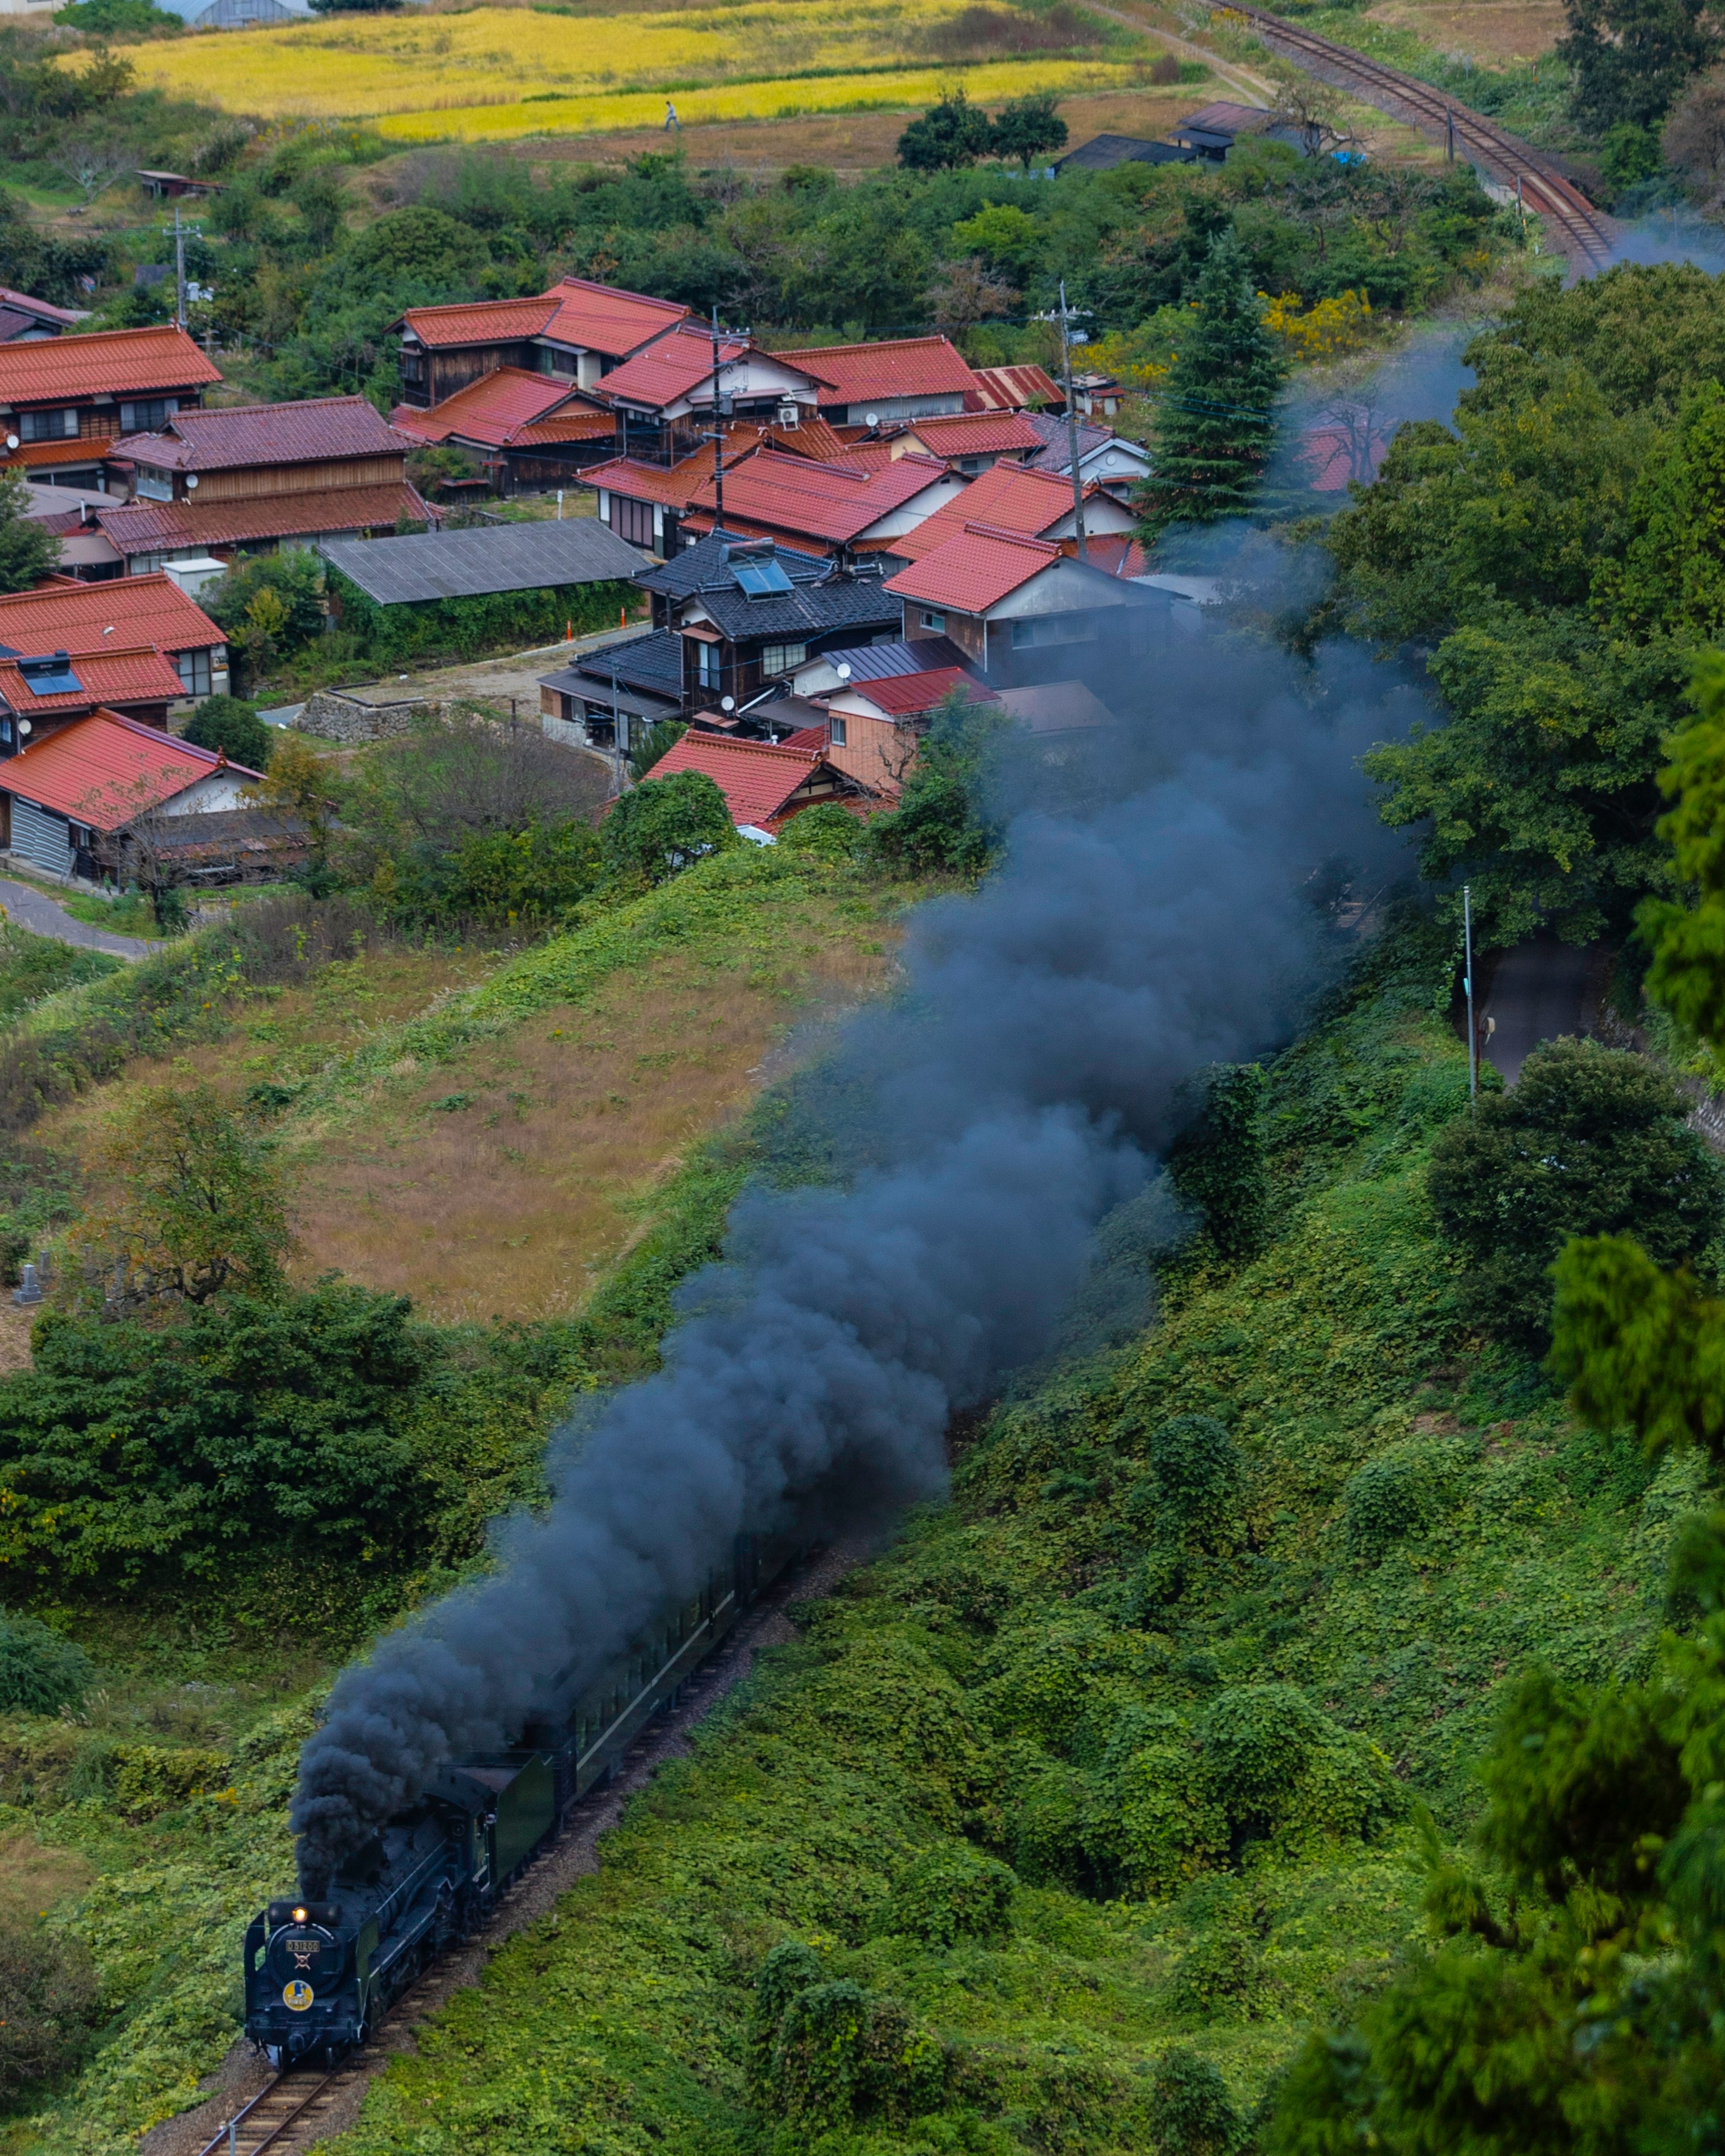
(550, 555)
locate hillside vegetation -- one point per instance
(1064, 1822)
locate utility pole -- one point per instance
(1449, 135)
(1473, 1039)
(179, 271)
(1067, 317)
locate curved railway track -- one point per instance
(1575, 226)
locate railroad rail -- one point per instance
(1576, 227)
(285, 2116)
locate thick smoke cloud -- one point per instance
(1014, 1096)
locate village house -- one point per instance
(137, 646)
(66, 402)
(1020, 608)
(577, 330)
(1103, 455)
(1021, 388)
(250, 478)
(847, 510)
(863, 385)
(749, 613)
(873, 728)
(67, 802)
(766, 783)
(25, 320)
(522, 429)
(1037, 505)
(608, 696)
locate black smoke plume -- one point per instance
(1017, 1091)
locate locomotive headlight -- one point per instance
(299, 1916)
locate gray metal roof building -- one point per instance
(506, 557)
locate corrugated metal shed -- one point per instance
(458, 565)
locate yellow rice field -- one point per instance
(498, 71)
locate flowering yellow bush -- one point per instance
(1137, 359)
(1326, 331)
(546, 71)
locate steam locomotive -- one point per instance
(319, 1975)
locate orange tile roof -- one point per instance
(570, 426)
(977, 434)
(1008, 495)
(974, 570)
(155, 527)
(756, 778)
(895, 366)
(1017, 388)
(830, 502)
(675, 487)
(81, 449)
(103, 363)
(607, 319)
(490, 410)
(479, 321)
(139, 674)
(105, 769)
(667, 370)
(231, 437)
(68, 616)
(810, 438)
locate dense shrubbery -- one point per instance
(40, 1672)
(663, 825)
(229, 724)
(47, 2003)
(433, 629)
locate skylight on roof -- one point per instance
(761, 580)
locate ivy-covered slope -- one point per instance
(1113, 1771)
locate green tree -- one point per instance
(943, 824)
(29, 552)
(49, 2001)
(117, 18)
(1671, 575)
(1629, 59)
(1027, 128)
(1591, 1142)
(663, 824)
(269, 603)
(229, 724)
(1687, 974)
(1008, 238)
(1216, 425)
(1218, 1163)
(199, 1205)
(953, 133)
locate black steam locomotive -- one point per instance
(319, 1975)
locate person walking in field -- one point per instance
(670, 118)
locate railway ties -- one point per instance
(285, 2117)
(1577, 228)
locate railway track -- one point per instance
(287, 2116)
(1575, 226)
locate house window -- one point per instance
(144, 565)
(194, 671)
(632, 520)
(155, 486)
(558, 363)
(706, 665)
(48, 426)
(147, 414)
(780, 658)
(1053, 629)
(835, 732)
(936, 622)
(413, 367)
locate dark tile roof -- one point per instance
(498, 558)
(882, 662)
(1103, 152)
(706, 567)
(653, 663)
(814, 610)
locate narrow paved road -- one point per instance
(1540, 990)
(44, 916)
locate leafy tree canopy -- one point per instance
(953, 133)
(28, 551)
(1029, 128)
(663, 824)
(231, 725)
(1629, 59)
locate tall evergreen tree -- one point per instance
(1216, 424)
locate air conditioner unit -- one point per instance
(790, 415)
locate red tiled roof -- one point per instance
(1008, 495)
(69, 616)
(756, 778)
(898, 366)
(571, 424)
(479, 321)
(809, 737)
(138, 675)
(69, 316)
(80, 449)
(976, 433)
(607, 319)
(153, 527)
(105, 363)
(490, 409)
(902, 696)
(829, 502)
(675, 487)
(1017, 388)
(105, 769)
(667, 369)
(231, 436)
(974, 570)
(810, 438)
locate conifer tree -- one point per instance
(1216, 426)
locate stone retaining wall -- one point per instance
(332, 716)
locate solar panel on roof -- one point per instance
(52, 676)
(761, 580)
